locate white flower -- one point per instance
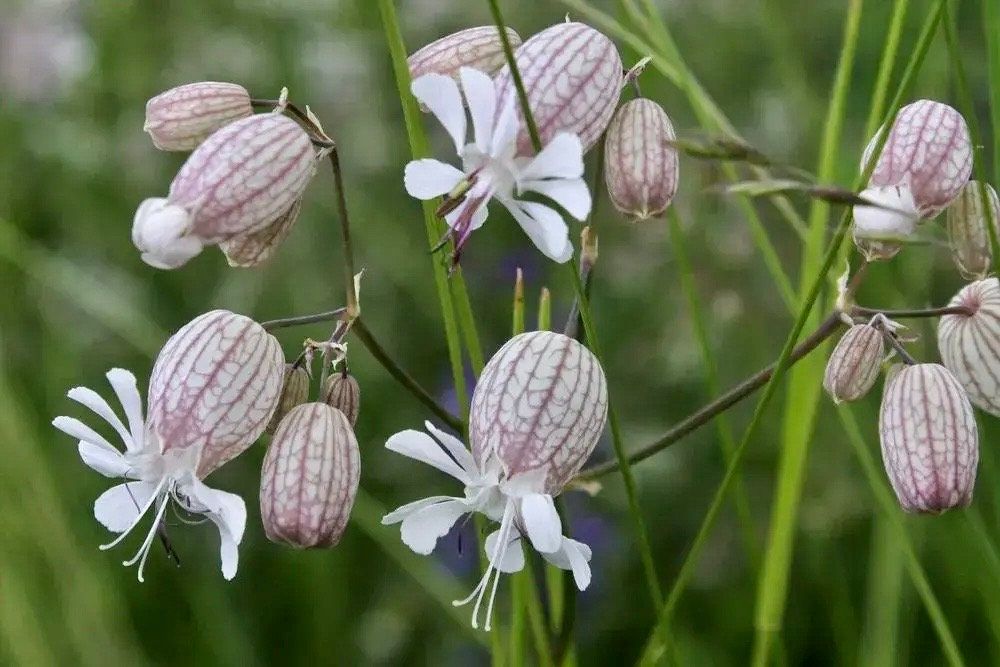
(490, 168)
(518, 503)
(159, 477)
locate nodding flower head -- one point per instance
(854, 364)
(243, 180)
(479, 48)
(213, 389)
(181, 118)
(970, 344)
(537, 413)
(923, 166)
(968, 229)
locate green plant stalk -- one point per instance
(886, 66)
(805, 379)
(727, 440)
(968, 109)
(890, 512)
(645, 550)
(991, 30)
(885, 595)
(520, 581)
(466, 320)
(418, 149)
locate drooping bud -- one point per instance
(970, 344)
(236, 183)
(479, 48)
(342, 392)
(181, 118)
(213, 389)
(854, 364)
(930, 444)
(968, 233)
(572, 76)
(925, 163)
(294, 391)
(540, 404)
(256, 248)
(640, 165)
(310, 478)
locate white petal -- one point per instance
(570, 193)
(426, 179)
(422, 529)
(108, 463)
(478, 217)
(562, 158)
(406, 510)
(77, 429)
(229, 514)
(455, 447)
(127, 390)
(525, 483)
(422, 447)
(440, 94)
(505, 130)
(875, 222)
(575, 556)
(544, 226)
(542, 523)
(513, 557)
(94, 401)
(119, 507)
(481, 96)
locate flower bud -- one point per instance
(970, 344)
(854, 364)
(930, 445)
(479, 48)
(238, 182)
(540, 404)
(294, 391)
(342, 392)
(572, 76)
(925, 163)
(968, 234)
(254, 249)
(310, 478)
(181, 118)
(213, 389)
(640, 165)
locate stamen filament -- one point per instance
(142, 512)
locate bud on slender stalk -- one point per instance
(854, 364)
(310, 478)
(479, 48)
(572, 76)
(343, 392)
(970, 344)
(968, 234)
(925, 163)
(254, 249)
(181, 118)
(930, 444)
(540, 404)
(640, 165)
(294, 391)
(236, 183)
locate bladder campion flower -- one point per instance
(242, 180)
(181, 118)
(968, 231)
(930, 444)
(970, 344)
(855, 363)
(479, 48)
(537, 413)
(490, 169)
(213, 389)
(343, 392)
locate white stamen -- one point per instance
(142, 512)
(148, 543)
(506, 524)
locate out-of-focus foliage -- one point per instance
(77, 300)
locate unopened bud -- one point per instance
(479, 48)
(572, 76)
(256, 248)
(238, 182)
(181, 118)
(968, 233)
(970, 344)
(294, 391)
(310, 478)
(588, 248)
(854, 364)
(343, 392)
(640, 162)
(930, 444)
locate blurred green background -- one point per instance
(77, 300)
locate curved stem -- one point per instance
(326, 316)
(345, 232)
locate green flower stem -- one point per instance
(885, 67)
(991, 30)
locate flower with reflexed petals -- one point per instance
(490, 169)
(212, 391)
(537, 413)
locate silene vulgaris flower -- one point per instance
(213, 389)
(537, 413)
(491, 168)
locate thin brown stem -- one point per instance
(696, 420)
(326, 316)
(859, 311)
(316, 133)
(345, 231)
